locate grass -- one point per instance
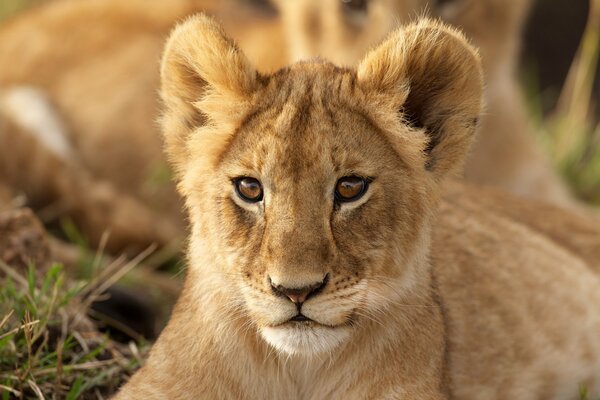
(571, 135)
(585, 395)
(49, 345)
(9, 7)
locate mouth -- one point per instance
(300, 318)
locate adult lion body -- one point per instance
(416, 287)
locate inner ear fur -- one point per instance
(433, 77)
(199, 62)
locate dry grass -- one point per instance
(9, 7)
(48, 345)
(572, 133)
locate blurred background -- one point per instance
(91, 229)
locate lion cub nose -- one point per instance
(299, 295)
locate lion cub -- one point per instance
(332, 258)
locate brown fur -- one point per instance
(506, 154)
(100, 69)
(54, 182)
(436, 290)
(97, 61)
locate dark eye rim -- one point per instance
(236, 184)
(366, 182)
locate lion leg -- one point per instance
(38, 160)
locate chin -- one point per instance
(305, 339)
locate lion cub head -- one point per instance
(309, 191)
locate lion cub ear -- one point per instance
(202, 72)
(430, 73)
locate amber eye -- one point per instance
(350, 188)
(355, 5)
(249, 189)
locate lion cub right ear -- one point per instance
(431, 77)
(205, 80)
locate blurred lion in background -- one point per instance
(78, 84)
(89, 69)
(505, 154)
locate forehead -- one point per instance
(307, 120)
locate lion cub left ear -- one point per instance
(203, 73)
(429, 74)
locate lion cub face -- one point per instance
(309, 190)
(310, 204)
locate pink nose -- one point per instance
(299, 295)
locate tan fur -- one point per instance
(436, 290)
(43, 167)
(97, 61)
(100, 69)
(506, 154)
